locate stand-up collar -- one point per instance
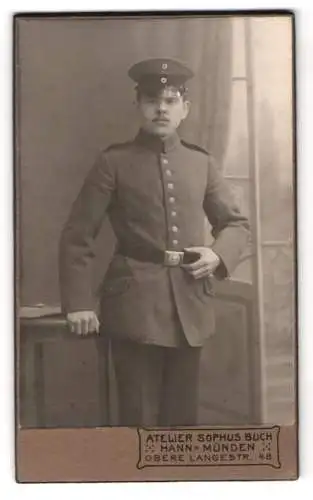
(155, 143)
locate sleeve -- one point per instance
(230, 228)
(76, 248)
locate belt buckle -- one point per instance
(173, 258)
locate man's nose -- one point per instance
(161, 105)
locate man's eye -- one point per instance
(149, 100)
(171, 100)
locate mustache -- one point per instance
(160, 118)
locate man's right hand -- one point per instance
(83, 322)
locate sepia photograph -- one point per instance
(155, 246)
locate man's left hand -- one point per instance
(205, 265)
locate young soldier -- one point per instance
(156, 300)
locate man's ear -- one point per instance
(187, 105)
(136, 100)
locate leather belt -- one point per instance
(170, 258)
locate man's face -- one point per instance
(161, 114)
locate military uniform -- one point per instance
(156, 194)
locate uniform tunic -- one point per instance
(156, 194)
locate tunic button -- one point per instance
(171, 199)
(174, 229)
(173, 213)
(170, 185)
(175, 242)
(168, 172)
(165, 161)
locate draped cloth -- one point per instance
(74, 97)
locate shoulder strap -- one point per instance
(195, 147)
(118, 146)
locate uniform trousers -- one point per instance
(157, 386)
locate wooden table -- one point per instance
(37, 335)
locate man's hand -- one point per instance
(83, 322)
(205, 265)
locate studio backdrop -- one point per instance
(74, 97)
